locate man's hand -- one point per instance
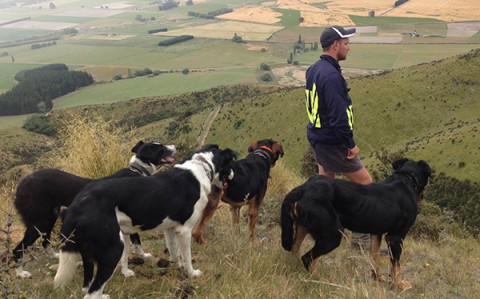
(352, 152)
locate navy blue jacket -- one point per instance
(328, 104)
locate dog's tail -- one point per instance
(287, 217)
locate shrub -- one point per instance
(185, 71)
(264, 66)
(267, 77)
(39, 123)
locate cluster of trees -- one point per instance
(237, 39)
(266, 76)
(141, 18)
(211, 14)
(38, 87)
(152, 31)
(169, 4)
(300, 46)
(399, 2)
(43, 45)
(175, 40)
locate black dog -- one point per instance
(323, 207)
(171, 201)
(248, 186)
(40, 195)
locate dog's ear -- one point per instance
(277, 148)
(137, 146)
(399, 163)
(425, 168)
(252, 146)
(229, 154)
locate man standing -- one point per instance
(330, 114)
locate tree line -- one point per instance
(38, 87)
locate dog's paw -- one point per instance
(23, 274)
(195, 273)
(128, 273)
(198, 238)
(53, 267)
(147, 255)
(163, 263)
(404, 285)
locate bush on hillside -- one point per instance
(39, 123)
(264, 66)
(460, 197)
(435, 224)
(267, 77)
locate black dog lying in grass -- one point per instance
(324, 207)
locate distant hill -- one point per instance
(429, 111)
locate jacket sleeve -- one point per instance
(338, 103)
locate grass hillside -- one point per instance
(425, 112)
(232, 266)
(428, 112)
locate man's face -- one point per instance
(342, 46)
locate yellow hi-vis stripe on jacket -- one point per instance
(311, 103)
(350, 117)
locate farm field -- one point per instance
(164, 84)
(115, 41)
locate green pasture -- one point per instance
(8, 123)
(379, 20)
(13, 34)
(194, 54)
(390, 56)
(164, 84)
(62, 19)
(8, 71)
(289, 18)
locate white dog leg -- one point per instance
(184, 240)
(124, 259)
(172, 246)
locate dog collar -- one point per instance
(416, 185)
(209, 171)
(135, 167)
(263, 154)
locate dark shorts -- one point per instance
(333, 158)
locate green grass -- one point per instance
(164, 84)
(13, 34)
(12, 122)
(63, 19)
(391, 56)
(379, 20)
(289, 18)
(8, 71)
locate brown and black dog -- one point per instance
(248, 186)
(324, 207)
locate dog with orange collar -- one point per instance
(248, 186)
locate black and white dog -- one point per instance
(40, 195)
(171, 201)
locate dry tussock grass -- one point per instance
(90, 148)
(234, 267)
